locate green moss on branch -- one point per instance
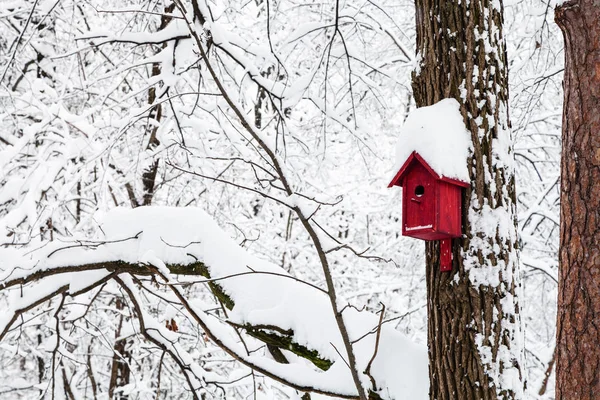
(282, 339)
(199, 268)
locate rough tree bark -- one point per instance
(474, 333)
(578, 327)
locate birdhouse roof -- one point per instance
(416, 158)
(437, 137)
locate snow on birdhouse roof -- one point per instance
(438, 134)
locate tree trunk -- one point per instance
(578, 327)
(474, 332)
(149, 174)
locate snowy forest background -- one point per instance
(99, 98)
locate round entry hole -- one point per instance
(419, 191)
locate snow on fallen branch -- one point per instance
(181, 245)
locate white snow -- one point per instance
(438, 134)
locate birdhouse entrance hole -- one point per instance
(419, 191)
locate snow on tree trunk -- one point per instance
(474, 329)
(578, 354)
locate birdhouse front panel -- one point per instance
(419, 203)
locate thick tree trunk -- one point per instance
(578, 322)
(474, 333)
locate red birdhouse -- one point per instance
(431, 205)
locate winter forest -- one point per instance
(194, 199)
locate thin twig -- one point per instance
(368, 369)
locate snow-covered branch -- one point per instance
(263, 300)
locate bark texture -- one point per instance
(474, 334)
(578, 321)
